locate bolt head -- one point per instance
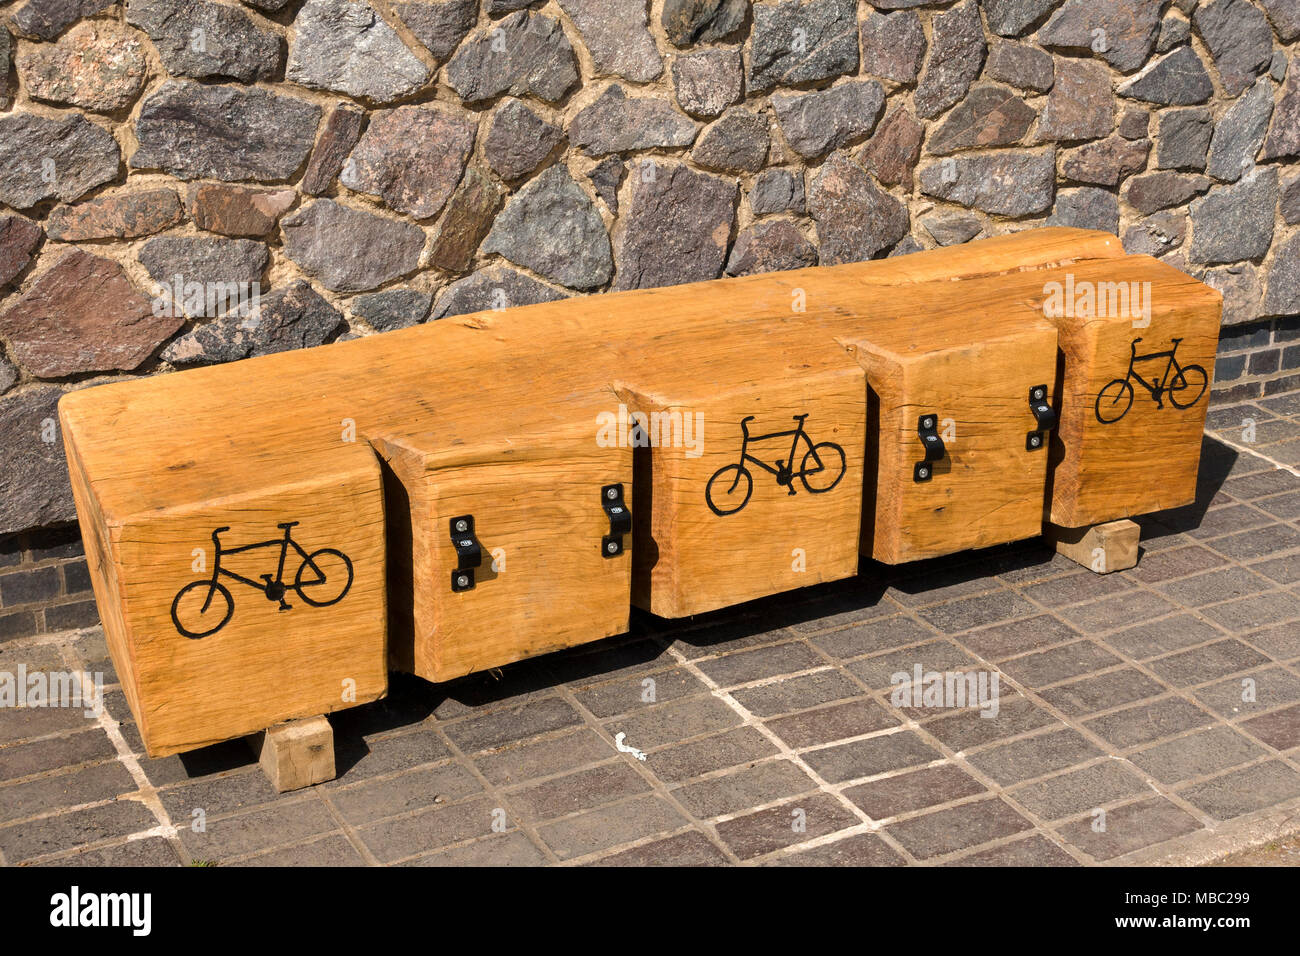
(611, 493)
(462, 581)
(461, 525)
(924, 472)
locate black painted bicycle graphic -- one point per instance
(204, 606)
(1184, 384)
(731, 485)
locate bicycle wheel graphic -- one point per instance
(828, 476)
(1114, 401)
(729, 489)
(328, 585)
(187, 609)
(1188, 386)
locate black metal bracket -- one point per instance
(469, 553)
(620, 520)
(1043, 415)
(927, 427)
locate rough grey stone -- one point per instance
(1134, 124)
(295, 317)
(893, 46)
(1285, 16)
(524, 53)
(1011, 18)
(350, 250)
(518, 140)
(1080, 105)
(1006, 183)
(1233, 223)
(618, 123)
(776, 190)
(1239, 38)
(1106, 161)
(223, 132)
(203, 260)
(952, 230)
(1288, 205)
(8, 375)
(346, 47)
(393, 308)
(1242, 293)
(440, 25)
(816, 123)
(1021, 65)
(1086, 208)
(470, 213)
(893, 151)
(412, 157)
(34, 486)
(606, 176)
(1240, 132)
(342, 130)
(708, 81)
(1175, 79)
(1277, 66)
(1152, 191)
(270, 6)
(799, 41)
(41, 158)
(46, 19)
(1156, 235)
(1183, 138)
(737, 142)
(205, 40)
(1283, 295)
(616, 36)
(552, 228)
(1174, 29)
(906, 247)
(97, 66)
(676, 228)
(990, 116)
(1128, 30)
(955, 59)
(496, 287)
(701, 21)
(1284, 138)
(771, 246)
(855, 218)
(6, 46)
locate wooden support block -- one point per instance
(1103, 548)
(749, 467)
(296, 754)
(957, 453)
(1137, 342)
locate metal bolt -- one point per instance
(612, 548)
(464, 542)
(616, 511)
(924, 472)
(462, 581)
(611, 493)
(1035, 441)
(461, 525)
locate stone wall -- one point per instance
(366, 166)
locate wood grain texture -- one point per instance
(296, 754)
(158, 462)
(1147, 459)
(1104, 548)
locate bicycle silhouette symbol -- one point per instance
(1184, 384)
(322, 579)
(723, 492)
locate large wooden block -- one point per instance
(749, 476)
(1137, 344)
(958, 454)
(551, 573)
(261, 602)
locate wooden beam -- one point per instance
(296, 753)
(1103, 548)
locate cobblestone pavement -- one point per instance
(769, 731)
